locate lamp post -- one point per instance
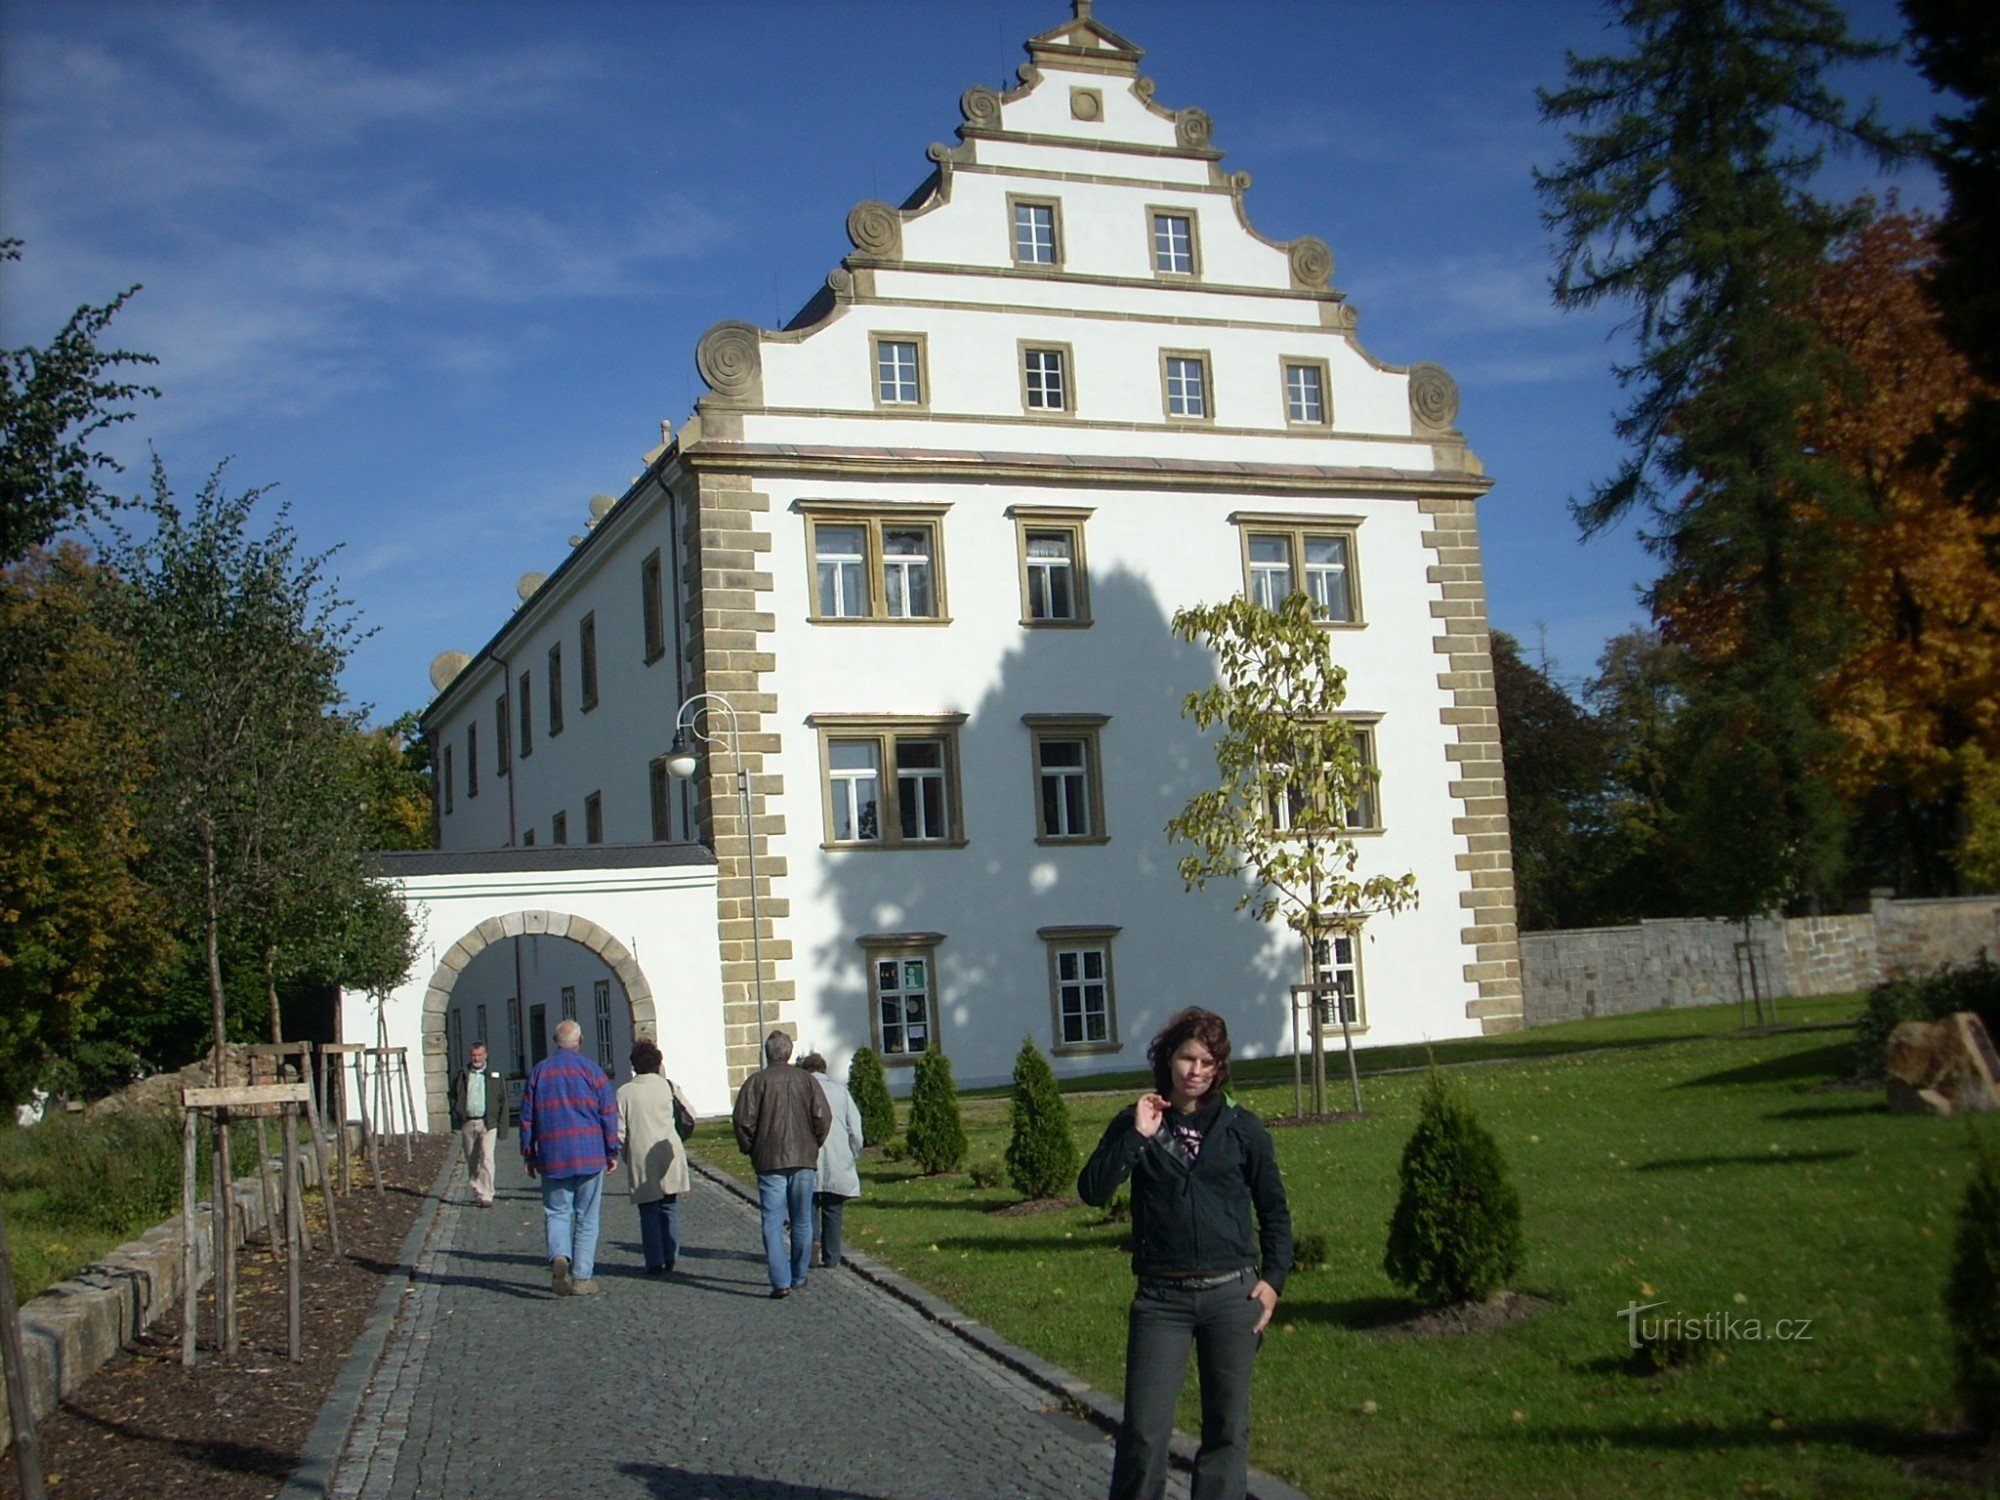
(694, 717)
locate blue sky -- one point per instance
(436, 270)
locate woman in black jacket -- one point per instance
(1199, 1166)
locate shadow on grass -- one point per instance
(1745, 1159)
(1880, 1438)
(1810, 1066)
(1831, 1111)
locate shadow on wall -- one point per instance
(988, 900)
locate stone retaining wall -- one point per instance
(1608, 971)
(71, 1329)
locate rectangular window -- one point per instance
(593, 818)
(479, 1025)
(457, 1034)
(502, 758)
(1337, 965)
(1081, 997)
(514, 1037)
(902, 974)
(1287, 555)
(586, 659)
(528, 838)
(555, 690)
(899, 370)
(1173, 243)
(1045, 377)
(568, 1002)
(1037, 232)
(1354, 808)
(1069, 785)
(526, 689)
(559, 828)
(651, 609)
(659, 789)
(600, 996)
(919, 760)
(1305, 392)
(449, 779)
(1055, 584)
(1186, 379)
(872, 563)
(472, 760)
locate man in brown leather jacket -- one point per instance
(781, 1117)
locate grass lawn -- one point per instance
(1705, 1171)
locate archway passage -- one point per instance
(524, 1026)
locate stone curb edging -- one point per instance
(1093, 1404)
(70, 1330)
(328, 1437)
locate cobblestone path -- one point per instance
(694, 1385)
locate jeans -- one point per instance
(782, 1195)
(832, 1208)
(1164, 1320)
(660, 1232)
(570, 1205)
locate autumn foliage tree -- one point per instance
(1914, 698)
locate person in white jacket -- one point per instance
(656, 1168)
(838, 1179)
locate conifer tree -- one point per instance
(869, 1085)
(1041, 1152)
(936, 1134)
(1456, 1232)
(1687, 197)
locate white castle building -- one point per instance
(926, 540)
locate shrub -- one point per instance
(1456, 1232)
(1926, 997)
(1041, 1153)
(1309, 1252)
(986, 1173)
(869, 1085)
(936, 1133)
(895, 1149)
(1972, 1292)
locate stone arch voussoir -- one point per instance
(437, 995)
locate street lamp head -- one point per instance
(681, 756)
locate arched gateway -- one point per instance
(642, 915)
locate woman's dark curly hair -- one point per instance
(1203, 1026)
(645, 1058)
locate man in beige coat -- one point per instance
(656, 1168)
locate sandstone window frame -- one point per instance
(1337, 953)
(1366, 820)
(1187, 387)
(1086, 731)
(893, 777)
(1298, 531)
(1322, 374)
(525, 687)
(1164, 259)
(652, 608)
(901, 949)
(1079, 941)
(873, 519)
(920, 373)
(503, 755)
(1069, 521)
(1021, 211)
(1027, 351)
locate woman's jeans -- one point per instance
(1165, 1319)
(660, 1232)
(832, 1208)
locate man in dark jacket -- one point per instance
(781, 1118)
(479, 1113)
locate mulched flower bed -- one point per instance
(233, 1429)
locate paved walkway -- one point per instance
(696, 1385)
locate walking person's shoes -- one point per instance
(586, 1287)
(779, 1293)
(559, 1281)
